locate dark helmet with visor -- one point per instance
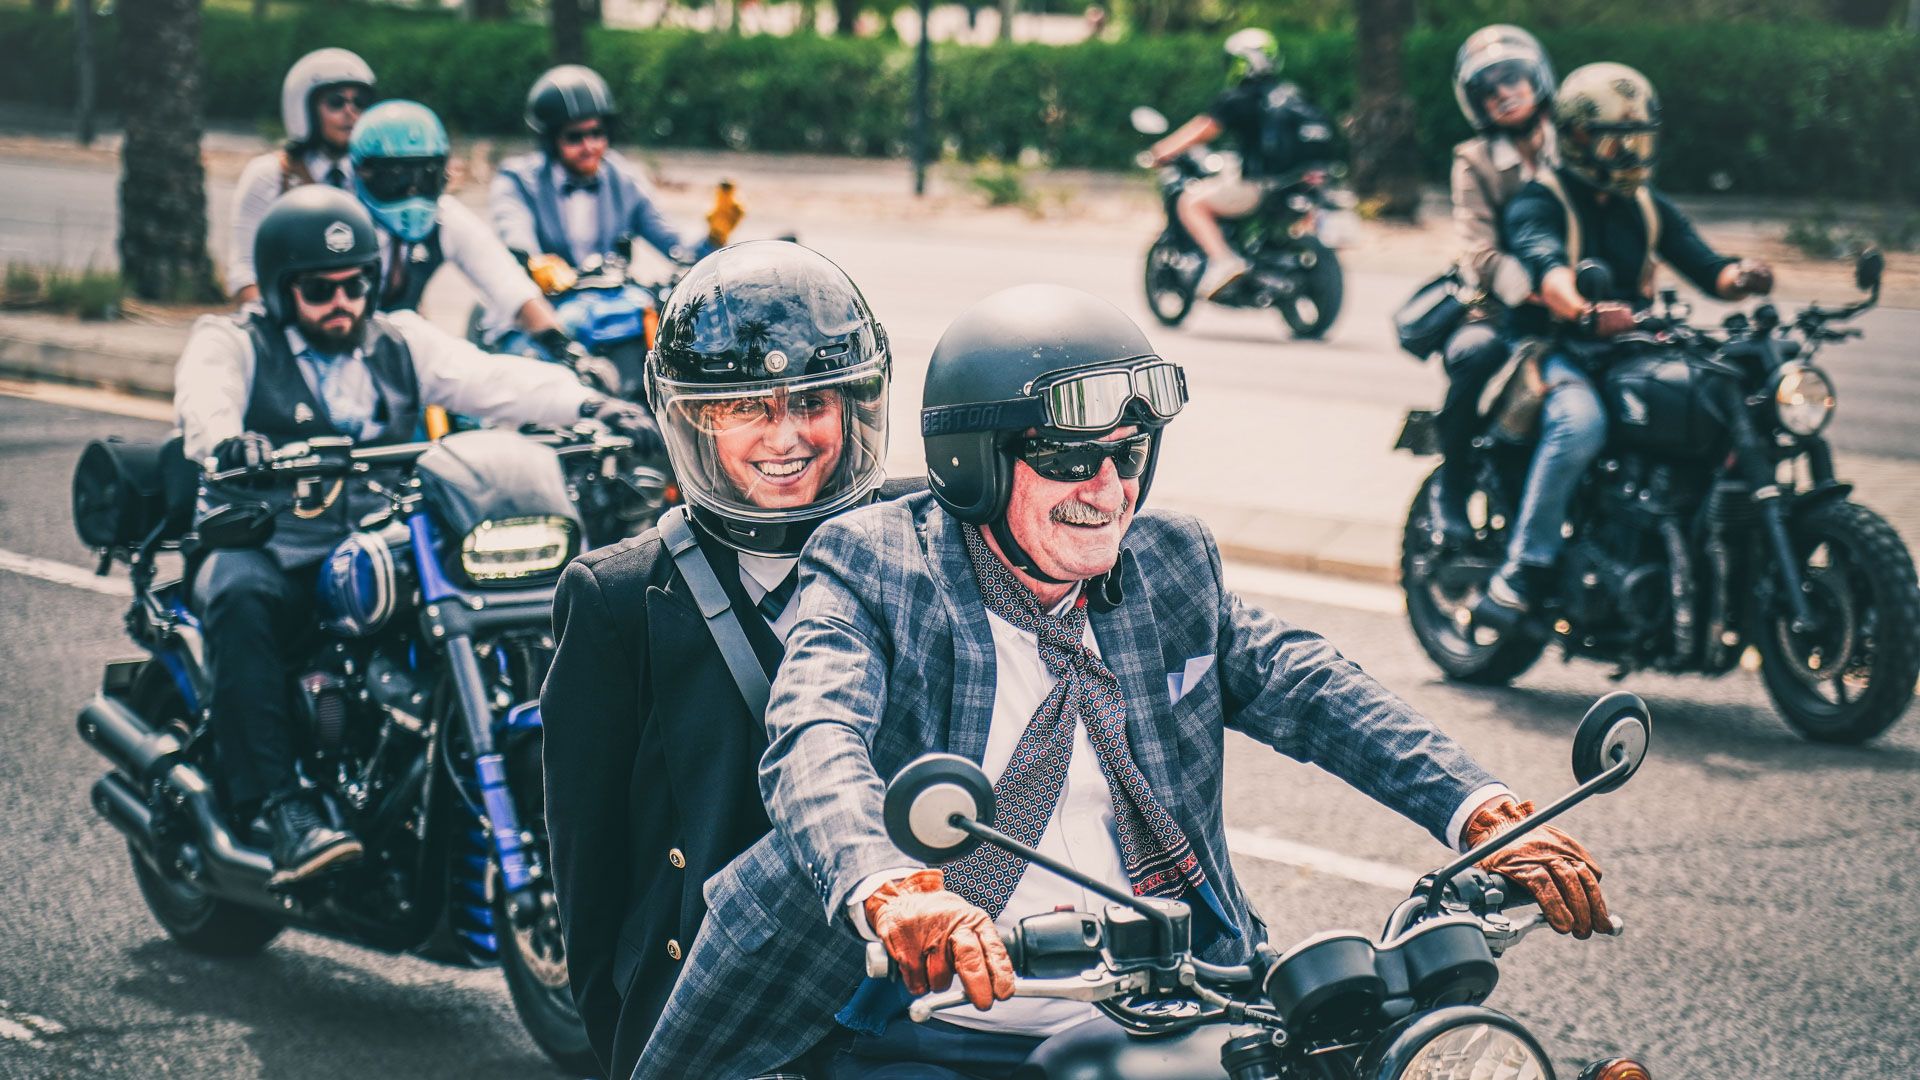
(1497, 56)
(1608, 117)
(769, 379)
(1039, 371)
(566, 95)
(312, 229)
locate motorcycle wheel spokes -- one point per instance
(1441, 587)
(1170, 277)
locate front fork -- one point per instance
(470, 685)
(1758, 469)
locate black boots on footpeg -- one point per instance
(1511, 596)
(305, 843)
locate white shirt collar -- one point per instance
(767, 571)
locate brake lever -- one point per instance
(1082, 988)
(1503, 932)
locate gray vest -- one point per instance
(282, 407)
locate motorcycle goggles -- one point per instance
(392, 179)
(1082, 399)
(777, 451)
(1075, 461)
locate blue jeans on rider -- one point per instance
(930, 1051)
(1573, 429)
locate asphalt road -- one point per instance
(1766, 882)
(919, 275)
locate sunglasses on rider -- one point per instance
(1094, 399)
(1073, 462)
(579, 136)
(390, 181)
(340, 100)
(320, 290)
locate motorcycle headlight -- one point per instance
(1803, 399)
(1461, 1042)
(513, 548)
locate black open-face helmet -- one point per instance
(1056, 361)
(312, 228)
(566, 95)
(769, 380)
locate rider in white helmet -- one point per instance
(321, 99)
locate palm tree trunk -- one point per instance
(1386, 156)
(163, 195)
(1007, 10)
(568, 24)
(846, 16)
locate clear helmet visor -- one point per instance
(786, 451)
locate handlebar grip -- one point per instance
(880, 963)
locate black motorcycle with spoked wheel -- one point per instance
(1712, 522)
(1288, 242)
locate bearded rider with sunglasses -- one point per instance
(399, 151)
(575, 199)
(1026, 614)
(321, 98)
(314, 360)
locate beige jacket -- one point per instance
(1488, 171)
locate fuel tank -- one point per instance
(1100, 1050)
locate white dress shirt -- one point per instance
(760, 575)
(214, 379)
(1081, 833)
(260, 183)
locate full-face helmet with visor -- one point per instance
(769, 380)
(1496, 60)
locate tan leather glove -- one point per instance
(551, 273)
(933, 934)
(1753, 278)
(1609, 318)
(1552, 866)
(726, 214)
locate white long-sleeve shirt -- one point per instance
(214, 379)
(260, 183)
(470, 247)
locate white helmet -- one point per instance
(321, 67)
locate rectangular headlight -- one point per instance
(516, 548)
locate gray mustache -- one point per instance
(1076, 512)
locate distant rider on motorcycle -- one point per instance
(1608, 121)
(1274, 130)
(1504, 83)
(321, 98)
(575, 198)
(399, 152)
(315, 360)
(1022, 615)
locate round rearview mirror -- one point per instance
(1867, 269)
(1617, 728)
(1148, 121)
(925, 797)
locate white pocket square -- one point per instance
(1181, 683)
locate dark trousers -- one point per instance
(930, 1051)
(253, 614)
(1473, 354)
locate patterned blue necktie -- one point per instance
(346, 414)
(1158, 858)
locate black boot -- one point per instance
(305, 843)
(1447, 500)
(1511, 596)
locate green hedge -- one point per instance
(1802, 110)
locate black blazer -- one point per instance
(651, 767)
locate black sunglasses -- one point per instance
(1073, 462)
(319, 290)
(344, 99)
(392, 180)
(577, 136)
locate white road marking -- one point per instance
(1321, 861)
(90, 399)
(63, 574)
(1249, 580)
(24, 1027)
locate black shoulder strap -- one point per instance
(717, 610)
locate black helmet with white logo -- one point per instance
(311, 228)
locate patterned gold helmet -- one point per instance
(1609, 121)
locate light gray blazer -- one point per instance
(1487, 171)
(892, 658)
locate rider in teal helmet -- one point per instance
(399, 151)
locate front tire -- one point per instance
(534, 960)
(1438, 603)
(1171, 277)
(1312, 312)
(1851, 678)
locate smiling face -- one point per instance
(780, 449)
(1073, 531)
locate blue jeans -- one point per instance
(1573, 429)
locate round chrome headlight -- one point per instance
(1462, 1042)
(1803, 399)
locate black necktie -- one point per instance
(775, 602)
(337, 177)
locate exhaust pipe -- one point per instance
(125, 739)
(136, 750)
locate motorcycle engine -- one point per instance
(1618, 584)
(325, 701)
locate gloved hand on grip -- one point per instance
(1551, 865)
(724, 216)
(1609, 318)
(933, 934)
(552, 273)
(1752, 278)
(630, 419)
(246, 450)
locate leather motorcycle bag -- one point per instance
(120, 492)
(1430, 316)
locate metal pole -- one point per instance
(922, 78)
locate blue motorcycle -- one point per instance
(417, 702)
